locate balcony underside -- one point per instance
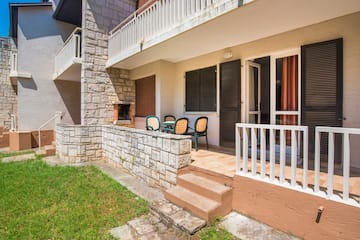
(251, 22)
(71, 73)
(14, 76)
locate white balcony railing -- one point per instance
(70, 53)
(161, 20)
(273, 142)
(15, 73)
(13, 62)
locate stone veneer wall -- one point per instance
(76, 143)
(154, 157)
(101, 86)
(8, 98)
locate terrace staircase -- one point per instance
(201, 193)
(47, 150)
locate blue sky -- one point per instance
(4, 15)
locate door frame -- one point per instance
(273, 111)
(245, 86)
(248, 64)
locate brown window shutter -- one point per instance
(208, 89)
(192, 91)
(201, 90)
(322, 86)
(145, 96)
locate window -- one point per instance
(201, 90)
(145, 96)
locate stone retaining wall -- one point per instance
(154, 157)
(76, 143)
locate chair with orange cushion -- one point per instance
(200, 130)
(152, 123)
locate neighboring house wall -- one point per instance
(343, 27)
(8, 98)
(40, 37)
(101, 86)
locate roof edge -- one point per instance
(13, 14)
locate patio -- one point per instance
(214, 160)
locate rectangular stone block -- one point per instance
(170, 177)
(166, 145)
(155, 155)
(174, 146)
(164, 157)
(185, 146)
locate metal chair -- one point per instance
(168, 128)
(200, 130)
(169, 118)
(152, 123)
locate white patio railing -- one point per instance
(155, 19)
(331, 131)
(292, 142)
(70, 53)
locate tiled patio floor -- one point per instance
(224, 164)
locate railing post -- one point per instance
(317, 161)
(12, 123)
(282, 155)
(238, 148)
(293, 157)
(346, 165)
(330, 164)
(305, 157)
(263, 152)
(245, 156)
(253, 151)
(272, 154)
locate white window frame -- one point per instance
(273, 112)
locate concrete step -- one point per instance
(147, 227)
(197, 204)
(48, 150)
(205, 187)
(174, 216)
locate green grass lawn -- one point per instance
(42, 202)
(215, 232)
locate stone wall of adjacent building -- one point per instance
(76, 143)
(100, 86)
(8, 97)
(154, 157)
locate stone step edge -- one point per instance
(190, 224)
(18, 158)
